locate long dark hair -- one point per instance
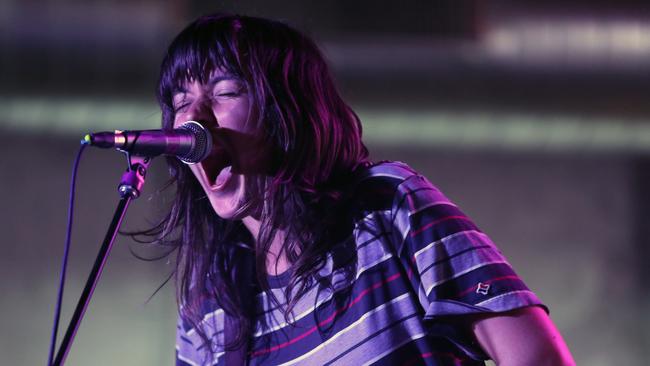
(296, 105)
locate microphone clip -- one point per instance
(133, 179)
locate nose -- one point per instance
(201, 111)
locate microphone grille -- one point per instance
(202, 143)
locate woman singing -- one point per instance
(295, 248)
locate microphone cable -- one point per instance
(64, 264)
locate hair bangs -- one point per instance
(196, 52)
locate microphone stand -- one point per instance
(129, 189)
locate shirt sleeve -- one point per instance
(454, 267)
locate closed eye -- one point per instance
(181, 108)
(228, 89)
(228, 94)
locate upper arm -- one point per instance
(524, 336)
(462, 278)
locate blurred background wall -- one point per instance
(532, 116)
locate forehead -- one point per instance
(186, 84)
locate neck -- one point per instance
(276, 259)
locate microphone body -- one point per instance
(190, 142)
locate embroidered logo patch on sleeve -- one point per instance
(482, 288)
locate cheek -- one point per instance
(232, 115)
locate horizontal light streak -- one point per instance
(503, 130)
(435, 128)
(557, 40)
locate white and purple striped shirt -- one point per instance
(415, 261)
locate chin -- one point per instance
(228, 212)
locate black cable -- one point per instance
(64, 264)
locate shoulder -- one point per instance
(394, 186)
(386, 173)
(395, 198)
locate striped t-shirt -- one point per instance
(412, 261)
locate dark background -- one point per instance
(532, 117)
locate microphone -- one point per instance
(190, 142)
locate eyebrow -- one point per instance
(217, 79)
